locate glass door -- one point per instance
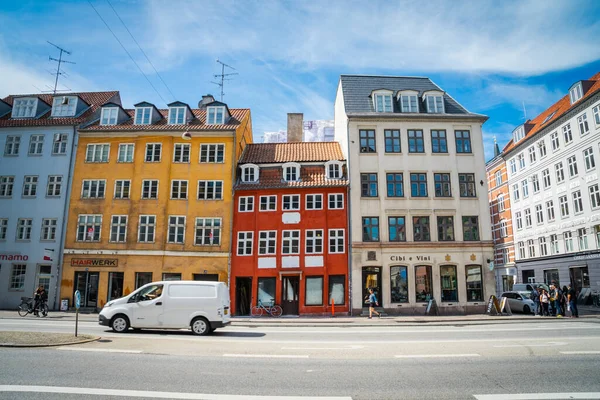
(87, 284)
(371, 279)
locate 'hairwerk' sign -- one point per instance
(94, 262)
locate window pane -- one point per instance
(314, 290)
(449, 283)
(423, 287)
(399, 284)
(337, 289)
(266, 290)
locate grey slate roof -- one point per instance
(357, 91)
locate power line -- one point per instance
(140, 47)
(136, 64)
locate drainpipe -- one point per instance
(349, 218)
(63, 232)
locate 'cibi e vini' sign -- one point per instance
(94, 262)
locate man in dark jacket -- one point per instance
(40, 295)
(572, 298)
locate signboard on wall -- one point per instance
(94, 262)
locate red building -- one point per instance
(290, 236)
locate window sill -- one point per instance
(34, 155)
(28, 197)
(96, 162)
(464, 154)
(392, 153)
(11, 155)
(370, 153)
(23, 240)
(419, 197)
(414, 153)
(439, 154)
(59, 154)
(48, 240)
(53, 197)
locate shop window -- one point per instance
(314, 291)
(449, 283)
(142, 278)
(206, 277)
(399, 284)
(266, 290)
(171, 276)
(115, 285)
(474, 283)
(551, 276)
(423, 284)
(507, 283)
(337, 289)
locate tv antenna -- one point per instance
(60, 61)
(223, 76)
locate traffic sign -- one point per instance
(77, 299)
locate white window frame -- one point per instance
(555, 141)
(503, 227)
(513, 166)
(336, 201)
(500, 202)
(567, 134)
(104, 154)
(518, 133)
(577, 202)
(568, 238)
(142, 114)
(151, 184)
(535, 183)
(121, 183)
(528, 219)
(584, 127)
(153, 147)
(543, 246)
(312, 238)
(519, 220)
(96, 189)
(525, 188)
(30, 185)
(177, 115)
(333, 169)
(109, 116)
(36, 145)
(559, 172)
(554, 249)
(594, 192)
(434, 103)
(382, 101)
(123, 153)
(290, 167)
(267, 240)
(209, 153)
(59, 144)
(582, 239)
(516, 192)
(522, 163)
(54, 185)
(62, 109)
(498, 178)
(596, 112)
(576, 92)
(17, 277)
(25, 107)
(563, 205)
(212, 227)
(588, 158)
(179, 183)
(246, 204)
(89, 222)
(150, 231)
(312, 199)
(542, 148)
(531, 248)
(249, 170)
(546, 178)
(3, 228)
(290, 199)
(182, 147)
(179, 223)
(216, 194)
(120, 223)
(550, 210)
(245, 241)
(521, 247)
(539, 214)
(572, 164)
(409, 101)
(12, 145)
(212, 115)
(532, 155)
(288, 238)
(269, 203)
(48, 231)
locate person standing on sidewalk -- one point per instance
(535, 296)
(372, 303)
(544, 301)
(572, 297)
(563, 300)
(555, 301)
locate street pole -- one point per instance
(77, 305)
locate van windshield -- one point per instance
(150, 292)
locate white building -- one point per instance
(37, 138)
(419, 216)
(552, 164)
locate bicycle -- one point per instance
(27, 304)
(272, 309)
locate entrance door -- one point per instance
(289, 295)
(87, 284)
(371, 279)
(580, 278)
(243, 293)
(44, 275)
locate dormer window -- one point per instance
(24, 108)
(291, 172)
(143, 115)
(435, 104)
(109, 116)
(518, 134)
(64, 106)
(382, 101)
(576, 92)
(215, 115)
(409, 102)
(250, 173)
(333, 169)
(176, 115)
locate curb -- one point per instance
(50, 345)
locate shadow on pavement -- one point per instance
(162, 332)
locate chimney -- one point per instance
(295, 127)
(207, 99)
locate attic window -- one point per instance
(176, 115)
(250, 173)
(382, 102)
(518, 133)
(576, 92)
(109, 116)
(548, 117)
(333, 169)
(142, 115)
(409, 103)
(215, 115)
(435, 104)
(291, 172)
(64, 106)
(24, 108)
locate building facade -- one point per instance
(502, 228)
(419, 217)
(37, 135)
(152, 198)
(290, 229)
(554, 191)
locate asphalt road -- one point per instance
(552, 359)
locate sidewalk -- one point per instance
(587, 313)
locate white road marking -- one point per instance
(538, 396)
(153, 394)
(436, 355)
(267, 355)
(352, 347)
(580, 352)
(549, 344)
(99, 350)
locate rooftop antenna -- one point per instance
(59, 61)
(223, 76)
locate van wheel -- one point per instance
(119, 323)
(200, 326)
(526, 310)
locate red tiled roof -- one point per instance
(196, 124)
(267, 153)
(559, 109)
(94, 99)
(310, 176)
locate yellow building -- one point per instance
(151, 198)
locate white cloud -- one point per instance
(535, 98)
(509, 37)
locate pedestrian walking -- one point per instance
(572, 297)
(555, 301)
(372, 303)
(563, 300)
(535, 296)
(545, 302)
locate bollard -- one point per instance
(332, 308)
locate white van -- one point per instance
(201, 306)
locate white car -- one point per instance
(519, 302)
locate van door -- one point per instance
(148, 307)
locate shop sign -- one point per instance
(13, 257)
(94, 262)
(397, 258)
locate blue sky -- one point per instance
(490, 56)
